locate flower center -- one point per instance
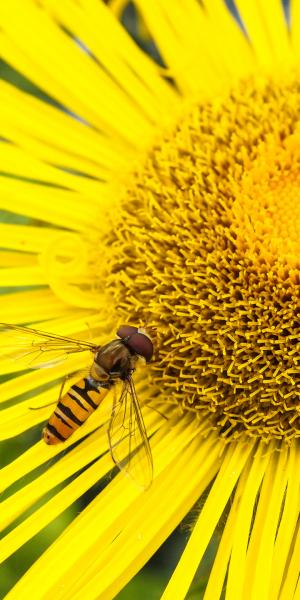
(207, 249)
(266, 204)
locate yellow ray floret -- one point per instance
(266, 26)
(67, 80)
(230, 470)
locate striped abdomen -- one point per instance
(73, 409)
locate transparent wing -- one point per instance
(37, 349)
(128, 441)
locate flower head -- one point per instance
(213, 253)
(168, 199)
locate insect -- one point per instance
(113, 363)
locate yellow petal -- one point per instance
(267, 29)
(220, 492)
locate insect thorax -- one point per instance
(113, 361)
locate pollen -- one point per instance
(206, 248)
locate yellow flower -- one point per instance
(167, 195)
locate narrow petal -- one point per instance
(291, 580)
(261, 544)
(295, 26)
(16, 259)
(242, 527)
(141, 537)
(139, 76)
(56, 136)
(17, 162)
(65, 71)
(265, 24)
(122, 493)
(220, 565)
(288, 523)
(90, 448)
(176, 27)
(27, 238)
(33, 200)
(34, 305)
(230, 41)
(18, 276)
(54, 507)
(230, 470)
(178, 47)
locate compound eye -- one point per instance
(126, 330)
(142, 345)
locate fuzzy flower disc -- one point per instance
(208, 239)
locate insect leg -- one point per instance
(43, 406)
(149, 405)
(62, 387)
(63, 383)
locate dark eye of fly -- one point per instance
(126, 330)
(135, 341)
(141, 344)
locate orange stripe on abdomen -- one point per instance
(72, 410)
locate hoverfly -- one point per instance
(115, 362)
